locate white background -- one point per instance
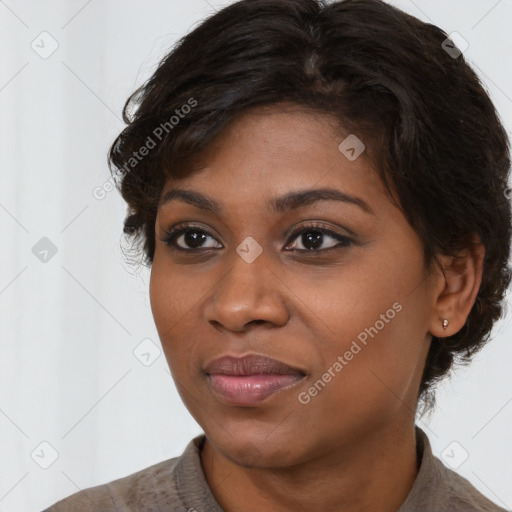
(69, 326)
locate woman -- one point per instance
(321, 193)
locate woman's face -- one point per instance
(350, 307)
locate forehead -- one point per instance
(266, 153)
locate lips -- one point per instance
(249, 380)
(250, 365)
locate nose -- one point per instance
(249, 294)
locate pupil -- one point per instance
(193, 239)
(312, 237)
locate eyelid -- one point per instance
(321, 226)
(175, 231)
(172, 233)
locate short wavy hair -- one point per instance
(399, 83)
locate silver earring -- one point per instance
(445, 323)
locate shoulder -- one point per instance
(439, 488)
(149, 489)
(463, 496)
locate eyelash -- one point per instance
(171, 236)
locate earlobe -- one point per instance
(459, 281)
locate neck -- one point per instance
(375, 473)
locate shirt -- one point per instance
(179, 485)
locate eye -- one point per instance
(314, 235)
(190, 238)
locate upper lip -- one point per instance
(251, 364)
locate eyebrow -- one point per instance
(290, 201)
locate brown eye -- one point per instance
(188, 238)
(312, 238)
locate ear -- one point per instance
(456, 289)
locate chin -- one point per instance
(255, 452)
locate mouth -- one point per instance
(249, 380)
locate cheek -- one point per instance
(174, 305)
(373, 318)
(172, 293)
(162, 295)
(383, 378)
(367, 376)
(168, 299)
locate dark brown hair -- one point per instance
(427, 123)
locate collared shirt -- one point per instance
(179, 485)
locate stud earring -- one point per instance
(445, 323)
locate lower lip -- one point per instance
(250, 389)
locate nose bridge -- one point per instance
(249, 291)
(247, 281)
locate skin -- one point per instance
(352, 447)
